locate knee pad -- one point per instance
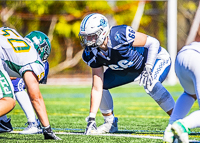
(106, 105)
(162, 97)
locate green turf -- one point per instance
(68, 106)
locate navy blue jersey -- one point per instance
(19, 84)
(121, 55)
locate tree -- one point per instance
(60, 20)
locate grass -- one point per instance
(68, 106)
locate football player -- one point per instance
(25, 103)
(129, 55)
(22, 57)
(187, 71)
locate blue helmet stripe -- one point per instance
(84, 21)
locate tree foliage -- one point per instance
(60, 20)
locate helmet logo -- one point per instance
(103, 23)
(36, 40)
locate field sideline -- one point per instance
(140, 118)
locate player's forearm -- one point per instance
(40, 110)
(36, 98)
(95, 100)
(97, 89)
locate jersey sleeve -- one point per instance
(122, 35)
(90, 59)
(37, 67)
(130, 35)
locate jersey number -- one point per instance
(131, 34)
(123, 64)
(17, 44)
(40, 76)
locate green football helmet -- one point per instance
(41, 43)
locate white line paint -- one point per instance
(114, 135)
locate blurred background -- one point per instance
(60, 20)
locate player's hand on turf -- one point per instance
(91, 125)
(146, 76)
(49, 134)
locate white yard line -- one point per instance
(115, 135)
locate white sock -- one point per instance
(109, 118)
(4, 118)
(26, 105)
(92, 115)
(192, 120)
(182, 107)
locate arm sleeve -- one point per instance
(153, 45)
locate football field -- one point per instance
(140, 119)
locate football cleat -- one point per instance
(49, 134)
(168, 135)
(5, 126)
(91, 125)
(181, 131)
(107, 127)
(33, 128)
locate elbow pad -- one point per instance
(153, 45)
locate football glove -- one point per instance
(91, 125)
(49, 134)
(146, 78)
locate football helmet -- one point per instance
(41, 43)
(93, 30)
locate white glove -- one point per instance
(146, 78)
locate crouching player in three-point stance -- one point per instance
(128, 55)
(23, 99)
(22, 57)
(187, 71)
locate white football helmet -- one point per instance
(93, 30)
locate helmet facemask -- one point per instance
(43, 50)
(91, 39)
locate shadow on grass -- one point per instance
(139, 132)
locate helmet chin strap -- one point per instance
(103, 46)
(108, 32)
(105, 38)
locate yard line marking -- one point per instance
(121, 135)
(119, 131)
(116, 135)
(153, 136)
